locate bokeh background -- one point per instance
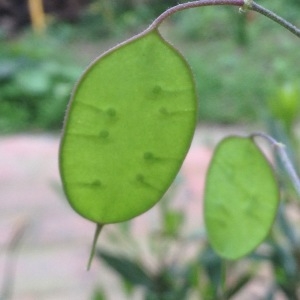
(247, 74)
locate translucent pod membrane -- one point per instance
(241, 197)
(128, 128)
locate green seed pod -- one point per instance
(241, 197)
(128, 128)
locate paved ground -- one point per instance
(50, 264)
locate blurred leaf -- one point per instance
(173, 220)
(8, 69)
(36, 81)
(241, 197)
(168, 285)
(285, 104)
(127, 269)
(99, 295)
(283, 259)
(288, 230)
(33, 82)
(193, 275)
(212, 265)
(242, 281)
(128, 287)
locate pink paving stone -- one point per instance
(194, 170)
(51, 263)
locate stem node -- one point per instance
(247, 6)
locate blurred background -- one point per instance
(246, 70)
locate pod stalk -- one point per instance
(95, 239)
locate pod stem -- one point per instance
(243, 4)
(95, 239)
(282, 154)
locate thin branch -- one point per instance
(243, 4)
(192, 4)
(10, 263)
(287, 164)
(292, 28)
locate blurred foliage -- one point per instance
(186, 266)
(35, 84)
(237, 85)
(240, 62)
(177, 272)
(284, 105)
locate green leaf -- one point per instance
(241, 197)
(172, 222)
(127, 130)
(242, 281)
(212, 265)
(98, 295)
(129, 270)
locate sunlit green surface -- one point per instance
(127, 131)
(241, 197)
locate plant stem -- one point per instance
(192, 4)
(10, 262)
(222, 287)
(287, 164)
(96, 236)
(244, 4)
(292, 28)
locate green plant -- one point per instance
(36, 80)
(284, 105)
(128, 128)
(241, 172)
(201, 270)
(175, 272)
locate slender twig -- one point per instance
(292, 28)
(244, 4)
(192, 4)
(9, 269)
(286, 162)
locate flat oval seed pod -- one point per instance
(128, 128)
(241, 197)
